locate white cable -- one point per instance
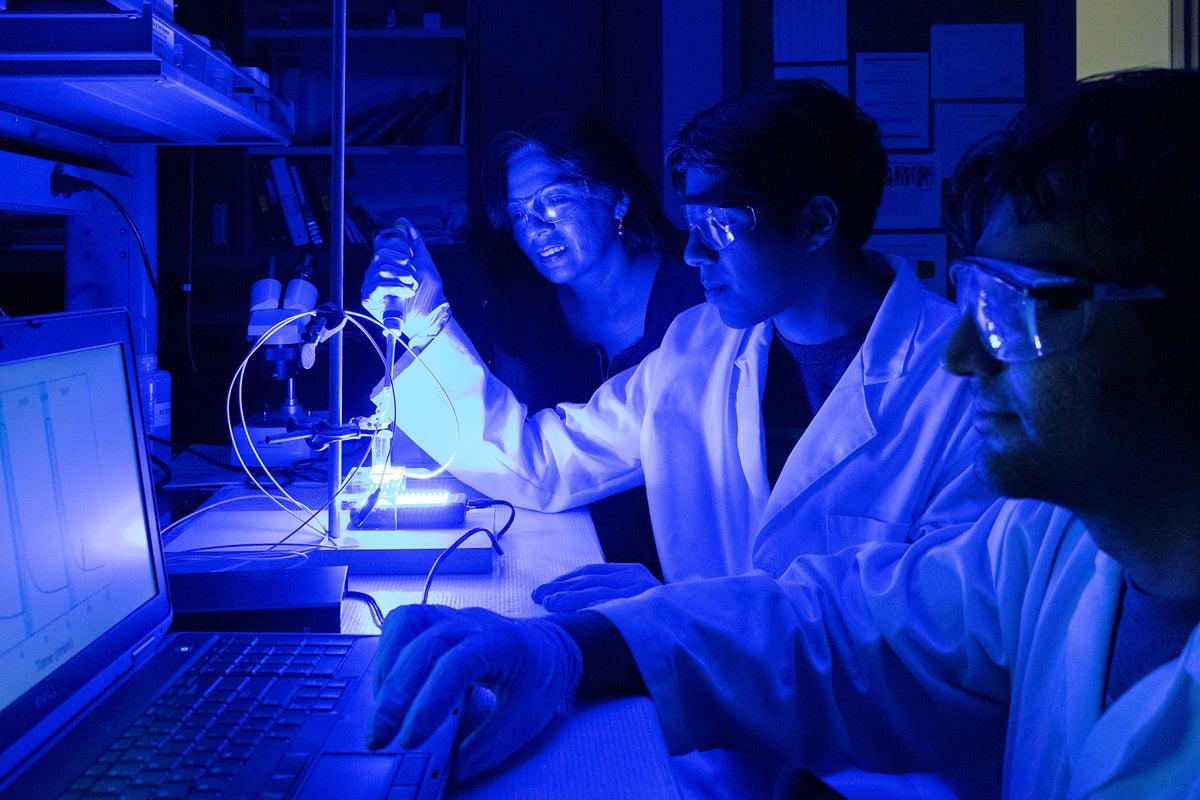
(238, 378)
(241, 552)
(227, 501)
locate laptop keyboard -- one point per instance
(236, 709)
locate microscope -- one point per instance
(285, 318)
(286, 326)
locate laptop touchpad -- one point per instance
(349, 776)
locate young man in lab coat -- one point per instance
(1052, 650)
(800, 410)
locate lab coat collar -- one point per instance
(1089, 645)
(1150, 731)
(892, 337)
(891, 340)
(884, 356)
(748, 378)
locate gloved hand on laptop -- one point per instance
(430, 655)
(402, 287)
(592, 584)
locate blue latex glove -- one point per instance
(592, 584)
(402, 286)
(430, 655)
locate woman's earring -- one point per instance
(621, 226)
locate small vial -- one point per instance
(154, 384)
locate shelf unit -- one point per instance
(407, 114)
(132, 76)
(297, 44)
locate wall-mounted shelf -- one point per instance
(133, 77)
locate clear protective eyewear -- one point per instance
(1023, 314)
(714, 226)
(552, 204)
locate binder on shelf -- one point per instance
(306, 209)
(428, 117)
(272, 227)
(316, 183)
(289, 201)
(429, 123)
(458, 109)
(400, 117)
(316, 187)
(362, 221)
(423, 118)
(353, 234)
(360, 123)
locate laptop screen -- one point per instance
(77, 525)
(70, 511)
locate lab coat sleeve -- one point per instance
(959, 497)
(450, 404)
(936, 406)
(885, 657)
(930, 409)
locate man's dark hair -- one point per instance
(781, 143)
(1118, 155)
(587, 149)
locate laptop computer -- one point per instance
(94, 687)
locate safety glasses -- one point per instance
(1023, 314)
(552, 204)
(715, 226)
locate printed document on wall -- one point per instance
(912, 193)
(894, 89)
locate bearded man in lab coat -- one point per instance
(1052, 650)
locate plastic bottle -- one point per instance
(155, 387)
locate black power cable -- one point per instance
(67, 185)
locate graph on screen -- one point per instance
(74, 552)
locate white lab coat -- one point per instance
(887, 457)
(981, 655)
